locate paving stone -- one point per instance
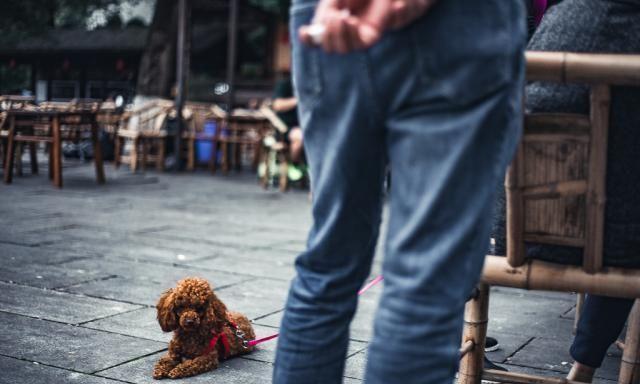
(281, 257)
(139, 323)
(361, 328)
(553, 355)
(136, 249)
(272, 269)
(356, 365)
(227, 236)
(57, 306)
(21, 255)
(16, 371)
(142, 283)
(66, 346)
(509, 344)
(267, 351)
(150, 230)
(256, 298)
(48, 276)
(552, 374)
(529, 315)
(232, 371)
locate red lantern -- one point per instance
(66, 64)
(12, 63)
(120, 65)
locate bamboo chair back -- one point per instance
(14, 102)
(150, 118)
(555, 186)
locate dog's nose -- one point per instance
(189, 322)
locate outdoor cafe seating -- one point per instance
(51, 123)
(556, 195)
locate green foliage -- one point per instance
(281, 7)
(22, 18)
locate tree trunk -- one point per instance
(158, 65)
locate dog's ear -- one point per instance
(216, 313)
(166, 315)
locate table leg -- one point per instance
(51, 162)
(34, 158)
(97, 153)
(18, 158)
(10, 153)
(56, 146)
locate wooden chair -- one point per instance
(197, 114)
(242, 133)
(271, 147)
(15, 103)
(556, 195)
(145, 129)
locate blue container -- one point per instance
(204, 145)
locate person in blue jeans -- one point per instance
(434, 89)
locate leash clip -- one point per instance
(240, 335)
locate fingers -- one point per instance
(347, 25)
(404, 12)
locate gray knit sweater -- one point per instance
(603, 26)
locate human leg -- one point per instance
(452, 129)
(340, 135)
(600, 324)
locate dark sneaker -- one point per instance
(488, 364)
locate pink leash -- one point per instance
(364, 289)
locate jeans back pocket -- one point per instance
(307, 74)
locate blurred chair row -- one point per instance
(141, 136)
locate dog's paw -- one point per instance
(176, 373)
(160, 375)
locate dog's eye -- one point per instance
(200, 308)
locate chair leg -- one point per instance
(225, 157)
(97, 154)
(160, 155)
(630, 365)
(145, 154)
(264, 180)
(19, 148)
(284, 171)
(476, 317)
(51, 171)
(9, 156)
(33, 156)
(116, 151)
(56, 146)
(191, 154)
(134, 154)
(213, 161)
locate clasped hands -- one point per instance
(342, 26)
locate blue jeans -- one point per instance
(440, 101)
(600, 324)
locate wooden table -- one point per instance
(22, 125)
(238, 129)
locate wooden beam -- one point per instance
(541, 275)
(565, 67)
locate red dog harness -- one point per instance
(220, 337)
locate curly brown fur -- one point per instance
(194, 313)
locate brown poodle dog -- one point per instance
(204, 332)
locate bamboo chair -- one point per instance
(16, 103)
(242, 132)
(145, 129)
(197, 115)
(273, 147)
(564, 206)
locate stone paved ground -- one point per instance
(82, 267)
